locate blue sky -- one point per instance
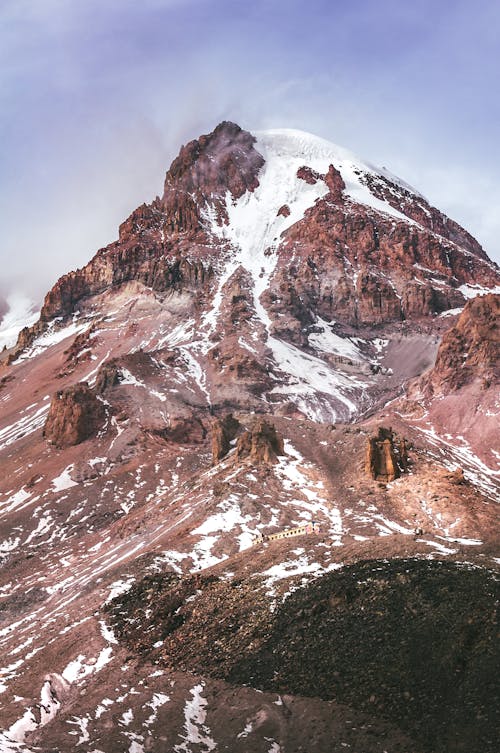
(96, 97)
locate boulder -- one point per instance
(75, 414)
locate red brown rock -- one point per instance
(470, 350)
(75, 415)
(335, 183)
(367, 263)
(418, 208)
(186, 430)
(224, 430)
(261, 444)
(107, 377)
(308, 174)
(384, 460)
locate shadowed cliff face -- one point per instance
(470, 350)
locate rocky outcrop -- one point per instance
(206, 168)
(335, 183)
(81, 347)
(417, 208)
(469, 351)
(224, 431)
(107, 377)
(25, 338)
(333, 180)
(261, 444)
(155, 266)
(309, 175)
(75, 415)
(385, 459)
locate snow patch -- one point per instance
(328, 342)
(471, 291)
(64, 480)
(196, 730)
(51, 337)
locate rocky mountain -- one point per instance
(262, 418)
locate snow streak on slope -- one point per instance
(254, 227)
(52, 336)
(254, 231)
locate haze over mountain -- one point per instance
(250, 470)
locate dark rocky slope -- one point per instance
(412, 641)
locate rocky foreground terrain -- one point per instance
(250, 472)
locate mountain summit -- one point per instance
(285, 366)
(281, 247)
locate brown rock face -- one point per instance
(189, 430)
(224, 430)
(155, 239)
(418, 208)
(351, 263)
(335, 183)
(308, 174)
(262, 444)
(75, 414)
(224, 160)
(470, 350)
(384, 460)
(159, 267)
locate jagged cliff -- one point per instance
(469, 351)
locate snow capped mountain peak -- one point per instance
(319, 153)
